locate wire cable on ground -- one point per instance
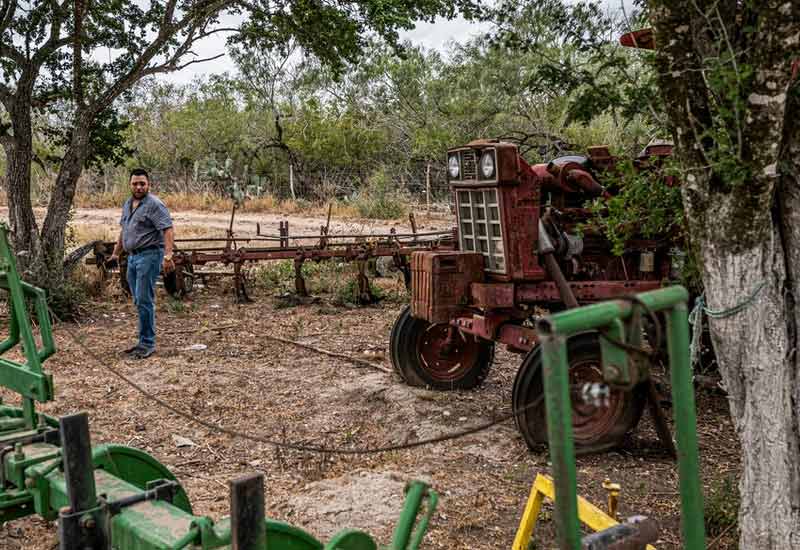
(284, 444)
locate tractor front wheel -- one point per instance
(595, 429)
(437, 355)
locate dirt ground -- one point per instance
(245, 223)
(243, 380)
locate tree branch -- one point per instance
(77, 58)
(192, 22)
(168, 67)
(6, 97)
(8, 9)
(54, 41)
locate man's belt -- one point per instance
(136, 251)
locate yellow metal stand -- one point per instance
(588, 513)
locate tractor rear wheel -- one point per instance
(422, 355)
(595, 429)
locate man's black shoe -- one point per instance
(134, 348)
(143, 353)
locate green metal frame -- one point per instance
(26, 379)
(554, 331)
(33, 479)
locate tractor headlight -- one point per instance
(487, 165)
(452, 166)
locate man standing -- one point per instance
(147, 236)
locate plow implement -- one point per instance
(191, 254)
(114, 496)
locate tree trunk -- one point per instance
(755, 352)
(291, 180)
(55, 223)
(19, 155)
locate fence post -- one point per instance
(428, 188)
(291, 180)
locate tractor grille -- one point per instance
(469, 165)
(480, 229)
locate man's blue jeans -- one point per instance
(143, 270)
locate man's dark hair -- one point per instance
(139, 172)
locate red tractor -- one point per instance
(523, 246)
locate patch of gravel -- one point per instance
(363, 499)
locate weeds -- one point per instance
(175, 306)
(209, 202)
(327, 277)
(722, 502)
(349, 295)
(380, 200)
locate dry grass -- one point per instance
(208, 202)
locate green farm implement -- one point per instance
(625, 362)
(112, 496)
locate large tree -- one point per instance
(80, 56)
(733, 98)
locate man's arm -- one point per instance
(117, 248)
(169, 241)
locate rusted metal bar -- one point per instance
(299, 281)
(564, 290)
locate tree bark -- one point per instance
(58, 209)
(19, 155)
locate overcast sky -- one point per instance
(430, 35)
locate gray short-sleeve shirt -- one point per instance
(144, 226)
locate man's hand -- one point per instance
(112, 261)
(168, 265)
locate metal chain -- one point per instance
(283, 444)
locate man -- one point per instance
(147, 236)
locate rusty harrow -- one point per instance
(237, 252)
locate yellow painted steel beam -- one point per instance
(588, 513)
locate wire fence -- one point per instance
(419, 182)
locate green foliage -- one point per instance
(729, 83)
(274, 275)
(380, 200)
(175, 306)
(642, 205)
(579, 58)
(348, 294)
(721, 509)
(67, 299)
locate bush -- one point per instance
(722, 502)
(66, 300)
(348, 293)
(380, 200)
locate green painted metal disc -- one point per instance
(137, 468)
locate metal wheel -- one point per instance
(426, 354)
(180, 281)
(595, 429)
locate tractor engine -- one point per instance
(510, 217)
